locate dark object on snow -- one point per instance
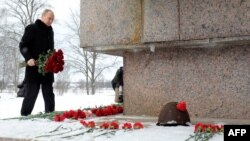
(117, 81)
(21, 91)
(171, 116)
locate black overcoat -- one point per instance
(38, 38)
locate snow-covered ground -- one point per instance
(47, 130)
(10, 105)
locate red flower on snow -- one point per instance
(102, 111)
(59, 118)
(205, 132)
(127, 125)
(107, 110)
(181, 106)
(74, 114)
(84, 123)
(90, 124)
(114, 125)
(138, 125)
(201, 127)
(104, 125)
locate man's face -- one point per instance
(48, 18)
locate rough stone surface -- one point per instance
(122, 22)
(110, 22)
(201, 19)
(160, 22)
(214, 82)
(202, 52)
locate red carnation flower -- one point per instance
(201, 127)
(181, 106)
(114, 125)
(59, 118)
(91, 124)
(84, 123)
(51, 62)
(104, 125)
(120, 109)
(138, 125)
(108, 111)
(99, 112)
(93, 110)
(115, 111)
(127, 125)
(67, 114)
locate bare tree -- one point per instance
(18, 14)
(25, 11)
(21, 13)
(62, 83)
(90, 64)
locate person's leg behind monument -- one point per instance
(117, 95)
(120, 94)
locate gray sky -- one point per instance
(61, 7)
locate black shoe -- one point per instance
(24, 114)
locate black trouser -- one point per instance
(32, 90)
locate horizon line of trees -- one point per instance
(62, 87)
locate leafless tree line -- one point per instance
(15, 15)
(89, 64)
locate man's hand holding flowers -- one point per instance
(52, 61)
(31, 62)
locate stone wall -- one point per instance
(129, 22)
(215, 82)
(192, 50)
(110, 22)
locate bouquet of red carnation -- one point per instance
(204, 132)
(50, 62)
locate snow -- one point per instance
(47, 130)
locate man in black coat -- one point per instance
(38, 38)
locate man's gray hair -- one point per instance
(46, 11)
